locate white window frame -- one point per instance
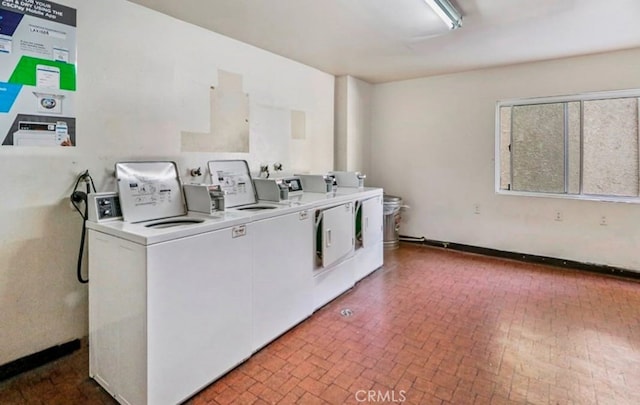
(601, 95)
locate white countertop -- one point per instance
(141, 234)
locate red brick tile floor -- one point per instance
(431, 327)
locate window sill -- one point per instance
(584, 197)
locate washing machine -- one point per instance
(233, 177)
(282, 237)
(159, 278)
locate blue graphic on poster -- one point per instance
(9, 22)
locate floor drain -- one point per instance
(346, 312)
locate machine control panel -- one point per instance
(316, 183)
(104, 207)
(278, 189)
(205, 198)
(293, 184)
(349, 179)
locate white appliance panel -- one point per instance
(337, 233)
(117, 326)
(369, 254)
(234, 178)
(199, 311)
(149, 190)
(368, 260)
(372, 221)
(282, 280)
(332, 282)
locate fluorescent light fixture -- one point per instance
(446, 12)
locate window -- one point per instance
(583, 146)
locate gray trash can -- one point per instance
(391, 209)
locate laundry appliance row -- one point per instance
(178, 297)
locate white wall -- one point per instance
(142, 79)
(352, 124)
(433, 145)
(340, 124)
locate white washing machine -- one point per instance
(282, 235)
(234, 179)
(158, 280)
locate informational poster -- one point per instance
(37, 73)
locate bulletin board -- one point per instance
(37, 73)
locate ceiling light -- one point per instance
(446, 12)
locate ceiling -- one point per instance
(387, 40)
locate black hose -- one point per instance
(81, 250)
(77, 197)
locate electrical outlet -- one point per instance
(558, 216)
(476, 208)
(603, 221)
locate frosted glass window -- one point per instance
(610, 133)
(582, 146)
(505, 153)
(574, 148)
(537, 148)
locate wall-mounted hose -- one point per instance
(78, 197)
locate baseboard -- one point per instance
(38, 359)
(524, 257)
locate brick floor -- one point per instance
(431, 327)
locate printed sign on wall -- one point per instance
(37, 73)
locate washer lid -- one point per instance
(234, 178)
(149, 190)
